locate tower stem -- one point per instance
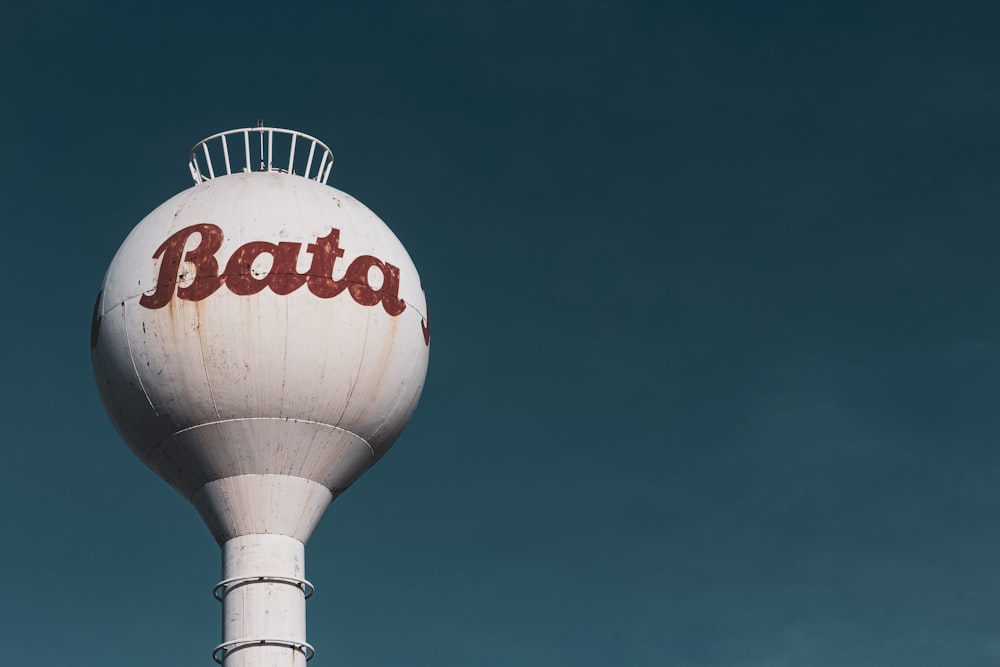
(263, 595)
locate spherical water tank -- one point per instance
(260, 339)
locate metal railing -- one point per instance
(262, 152)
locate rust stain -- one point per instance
(425, 321)
(384, 360)
(95, 323)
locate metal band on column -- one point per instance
(223, 650)
(223, 587)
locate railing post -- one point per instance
(225, 153)
(270, 150)
(312, 149)
(246, 145)
(208, 160)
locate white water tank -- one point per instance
(260, 340)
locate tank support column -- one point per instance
(263, 596)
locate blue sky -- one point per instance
(716, 346)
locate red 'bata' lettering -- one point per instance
(325, 252)
(207, 278)
(282, 278)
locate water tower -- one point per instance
(260, 340)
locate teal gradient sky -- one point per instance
(716, 356)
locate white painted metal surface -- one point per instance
(263, 597)
(260, 340)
